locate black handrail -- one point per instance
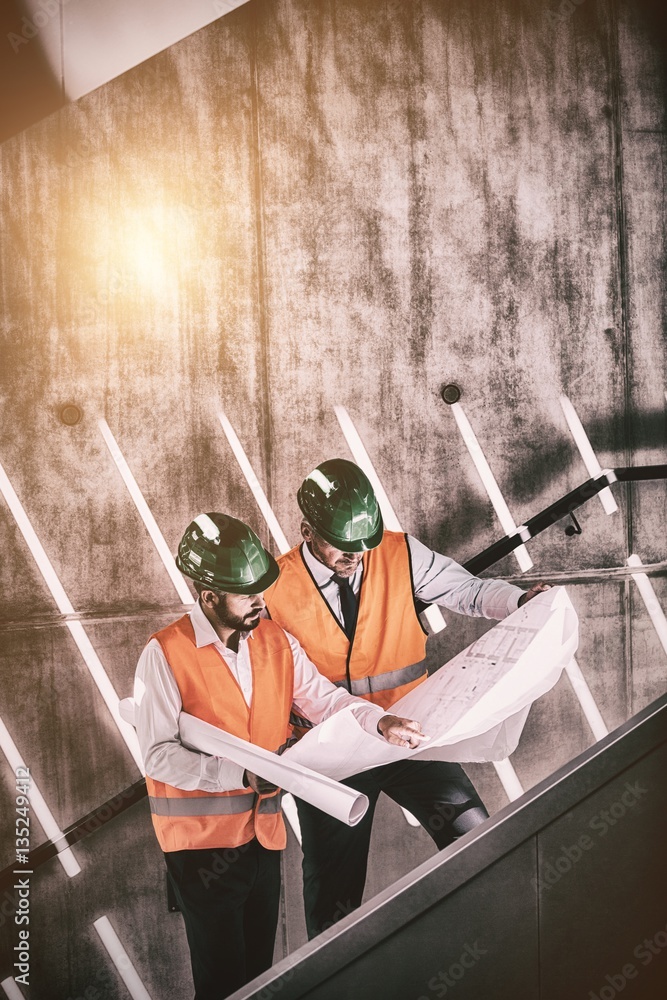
(561, 508)
(94, 821)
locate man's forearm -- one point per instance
(190, 770)
(440, 580)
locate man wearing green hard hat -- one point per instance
(350, 594)
(221, 827)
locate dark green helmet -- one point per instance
(338, 501)
(224, 554)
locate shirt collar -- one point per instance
(321, 574)
(205, 634)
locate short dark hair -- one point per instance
(199, 587)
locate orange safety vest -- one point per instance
(384, 659)
(186, 820)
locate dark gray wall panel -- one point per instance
(602, 896)
(474, 924)
(577, 808)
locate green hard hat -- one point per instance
(224, 554)
(338, 501)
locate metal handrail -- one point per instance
(555, 512)
(561, 508)
(79, 830)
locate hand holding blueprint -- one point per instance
(344, 804)
(474, 708)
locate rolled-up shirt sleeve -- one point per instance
(157, 707)
(440, 580)
(316, 698)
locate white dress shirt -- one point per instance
(437, 580)
(158, 705)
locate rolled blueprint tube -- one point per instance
(339, 801)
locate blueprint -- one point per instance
(474, 707)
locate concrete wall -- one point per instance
(300, 206)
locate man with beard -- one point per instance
(221, 827)
(350, 594)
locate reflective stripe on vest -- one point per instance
(384, 682)
(202, 805)
(383, 661)
(205, 805)
(187, 820)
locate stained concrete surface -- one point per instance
(300, 206)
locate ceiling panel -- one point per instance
(102, 40)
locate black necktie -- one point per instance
(348, 603)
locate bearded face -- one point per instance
(240, 612)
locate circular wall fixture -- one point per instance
(450, 393)
(70, 414)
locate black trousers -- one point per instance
(335, 856)
(229, 899)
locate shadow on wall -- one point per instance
(557, 455)
(28, 89)
(546, 471)
(653, 13)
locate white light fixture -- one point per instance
(36, 548)
(586, 451)
(11, 989)
(362, 458)
(146, 515)
(586, 700)
(121, 959)
(490, 485)
(38, 805)
(645, 587)
(509, 779)
(253, 482)
(77, 631)
(106, 689)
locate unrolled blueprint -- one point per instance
(474, 707)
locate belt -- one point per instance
(300, 721)
(272, 805)
(386, 681)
